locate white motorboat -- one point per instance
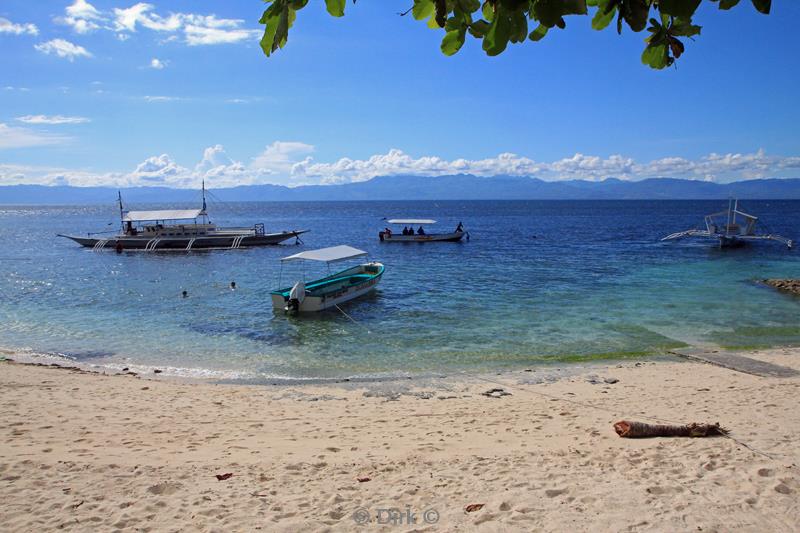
(333, 289)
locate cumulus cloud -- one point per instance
(62, 48)
(12, 137)
(157, 64)
(280, 157)
(82, 16)
(291, 163)
(52, 119)
(6, 26)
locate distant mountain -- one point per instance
(456, 187)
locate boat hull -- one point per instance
(432, 237)
(334, 290)
(206, 242)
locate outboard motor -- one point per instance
(296, 297)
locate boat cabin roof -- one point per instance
(411, 221)
(327, 255)
(168, 214)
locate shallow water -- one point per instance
(538, 282)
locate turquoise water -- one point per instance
(538, 282)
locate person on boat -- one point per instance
(387, 231)
(460, 227)
(420, 231)
(405, 230)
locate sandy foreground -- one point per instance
(89, 452)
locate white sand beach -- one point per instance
(90, 452)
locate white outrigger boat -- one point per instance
(728, 230)
(331, 290)
(387, 235)
(179, 230)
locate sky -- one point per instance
(120, 93)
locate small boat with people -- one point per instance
(331, 290)
(409, 234)
(731, 228)
(179, 230)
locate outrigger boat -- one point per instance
(331, 290)
(388, 235)
(179, 229)
(726, 227)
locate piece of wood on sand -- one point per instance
(641, 430)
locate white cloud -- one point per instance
(82, 16)
(52, 119)
(63, 48)
(280, 157)
(6, 26)
(199, 35)
(158, 64)
(290, 163)
(196, 29)
(161, 98)
(11, 137)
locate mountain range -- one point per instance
(453, 187)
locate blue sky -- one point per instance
(174, 91)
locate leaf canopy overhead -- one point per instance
(499, 22)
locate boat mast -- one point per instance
(205, 216)
(121, 211)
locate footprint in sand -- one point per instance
(165, 489)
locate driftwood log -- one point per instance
(638, 430)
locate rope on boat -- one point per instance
(349, 317)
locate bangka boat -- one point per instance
(730, 228)
(332, 290)
(179, 229)
(387, 235)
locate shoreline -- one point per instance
(179, 375)
(96, 451)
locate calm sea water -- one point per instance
(538, 282)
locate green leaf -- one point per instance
(656, 56)
(469, 6)
(441, 12)
(453, 41)
(602, 18)
(762, 6)
(727, 4)
(499, 33)
(635, 13)
(335, 7)
(272, 16)
(488, 11)
(684, 29)
(551, 12)
(422, 9)
(479, 28)
(539, 33)
(678, 8)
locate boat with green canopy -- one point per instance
(333, 289)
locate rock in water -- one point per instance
(786, 285)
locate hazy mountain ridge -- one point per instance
(454, 187)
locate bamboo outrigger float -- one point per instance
(730, 231)
(179, 230)
(332, 290)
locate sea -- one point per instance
(538, 283)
